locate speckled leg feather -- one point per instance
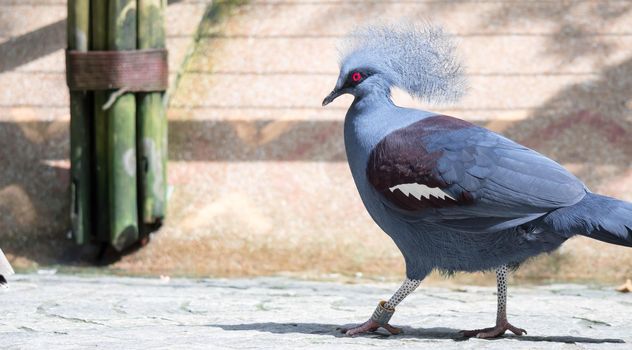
(502, 325)
(406, 288)
(372, 325)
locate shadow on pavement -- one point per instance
(409, 332)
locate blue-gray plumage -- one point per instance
(453, 196)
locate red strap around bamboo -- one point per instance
(134, 70)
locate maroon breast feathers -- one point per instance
(401, 168)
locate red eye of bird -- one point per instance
(356, 77)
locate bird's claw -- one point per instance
(369, 326)
(493, 332)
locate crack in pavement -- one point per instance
(44, 309)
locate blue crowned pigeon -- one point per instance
(453, 196)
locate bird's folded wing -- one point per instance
(454, 174)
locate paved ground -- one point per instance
(67, 312)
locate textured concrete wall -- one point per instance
(258, 167)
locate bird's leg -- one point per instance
(384, 311)
(502, 325)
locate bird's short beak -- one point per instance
(332, 96)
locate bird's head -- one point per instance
(419, 60)
(358, 78)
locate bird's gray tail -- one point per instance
(595, 216)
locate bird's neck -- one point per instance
(370, 118)
(366, 123)
(376, 95)
(368, 115)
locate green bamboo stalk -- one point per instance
(99, 42)
(122, 135)
(80, 121)
(152, 122)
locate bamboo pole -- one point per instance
(122, 134)
(99, 42)
(80, 126)
(152, 123)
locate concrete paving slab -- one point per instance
(70, 312)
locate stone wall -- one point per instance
(260, 182)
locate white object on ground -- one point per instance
(5, 267)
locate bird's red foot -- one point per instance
(493, 332)
(369, 326)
